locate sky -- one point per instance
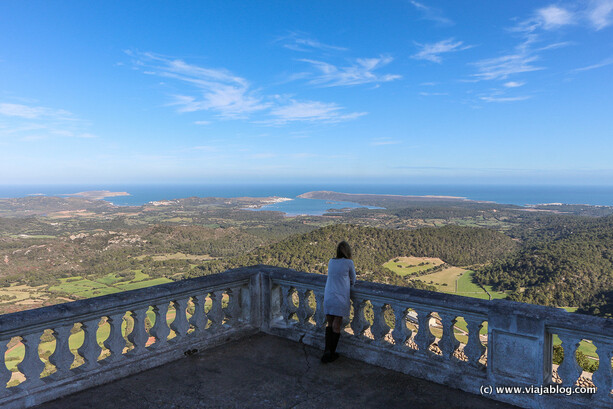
(449, 92)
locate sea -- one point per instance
(503, 194)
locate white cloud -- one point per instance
(232, 97)
(202, 122)
(432, 14)
(217, 90)
(506, 65)
(514, 84)
(503, 99)
(600, 13)
(431, 52)
(29, 122)
(30, 112)
(601, 64)
(312, 111)
(297, 41)
(553, 17)
(359, 72)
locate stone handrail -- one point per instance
(516, 352)
(404, 329)
(227, 316)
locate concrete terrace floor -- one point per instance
(263, 371)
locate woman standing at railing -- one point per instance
(341, 277)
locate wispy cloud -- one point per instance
(597, 13)
(432, 52)
(514, 84)
(311, 111)
(232, 97)
(601, 64)
(30, 122)
(547, 18)
(503, 99)
(600, 14)
(432, 14)
(361, 71)
(432, 94)
(218, 90)
(34, 112)
(553, 17)
(506, 65)
(298, 41)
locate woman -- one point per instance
(341, 277)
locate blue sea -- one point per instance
(505, 194)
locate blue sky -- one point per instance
(514, 92)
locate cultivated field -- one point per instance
(410, 265)
(454, 280)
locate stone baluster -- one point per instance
(305, 312)
(603, 377)
(359, 324)
(287, 304)
(233, 310)
(5, 374)
(474, 349)
(215, 314)
(448, 343)
(379, 327)
(320, 314)
(569, 370)
(424, 336)
(198, 319)
(180, 325)
(31, 366)
(90, 350)
(115, 341)
(401, 332)
(61, 358)
(160, 329)
(139, 336)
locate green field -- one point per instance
(109, 284)
(453, 280)
(411, 265)
(467, 288)
(587, 348)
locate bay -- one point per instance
(504, 194)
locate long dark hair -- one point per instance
(343, 250)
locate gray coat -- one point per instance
(341, 276)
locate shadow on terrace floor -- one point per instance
(263, 371)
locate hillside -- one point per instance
(568, 262)
(372, 247)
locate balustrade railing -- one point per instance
(461, 342)
(135, 335)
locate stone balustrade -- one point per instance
(461, 342)
(205, 312)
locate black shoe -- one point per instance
(327, 357)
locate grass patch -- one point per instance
(411, 265)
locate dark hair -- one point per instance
(343, 250)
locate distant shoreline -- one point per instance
(97, 194)
(331, 195)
